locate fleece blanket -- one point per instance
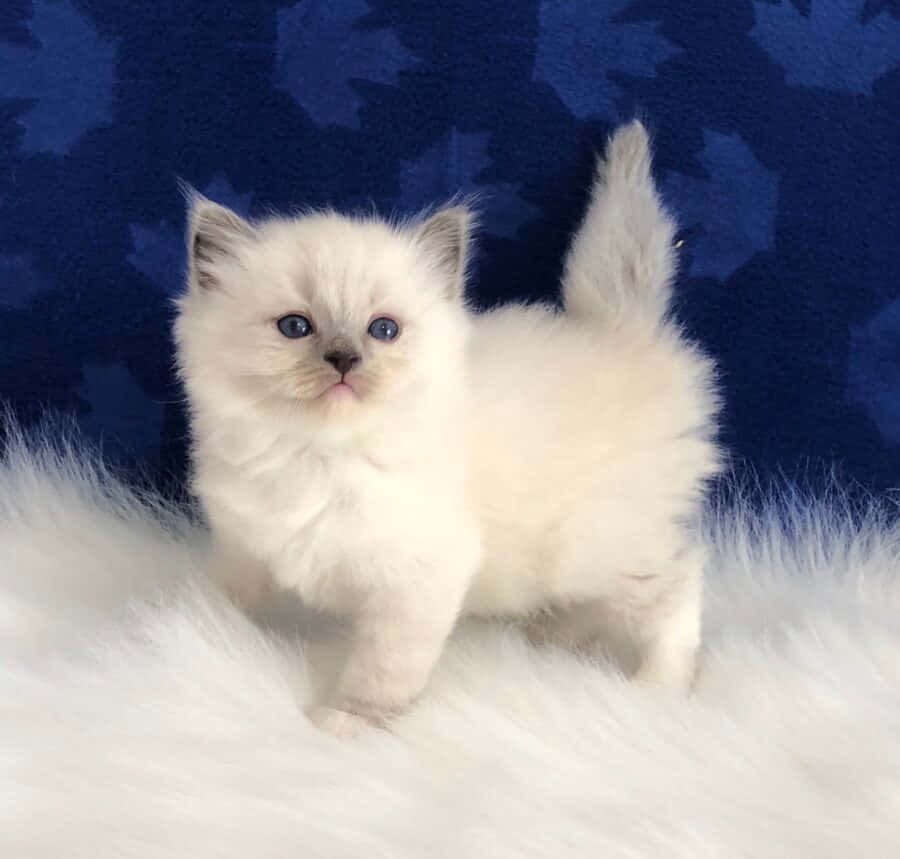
(141, 716)
(777, 126)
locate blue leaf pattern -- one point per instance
(873, 377)
(19, 282)
(322, 51)
(67, 77)
(452, 166)
(122, 419)
(741, 191)
(159, 251)
(834, 44)
(581, 42)
(777, 132)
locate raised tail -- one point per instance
(621, 261)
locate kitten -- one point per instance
(361, 438)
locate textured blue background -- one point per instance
(777, 127)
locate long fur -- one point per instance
(142, 716)
(524, 463)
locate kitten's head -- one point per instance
(329, 316)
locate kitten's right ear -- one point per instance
(214, 234)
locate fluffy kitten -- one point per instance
(360, 438)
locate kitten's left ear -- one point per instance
(214, 234)
(445, 238)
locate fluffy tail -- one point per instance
(622, 260)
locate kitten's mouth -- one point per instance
(340, 390)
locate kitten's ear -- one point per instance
(445, 238)
(214, 234)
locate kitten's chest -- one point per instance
(317, 521)
(316, 496)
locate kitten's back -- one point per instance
(591, 431)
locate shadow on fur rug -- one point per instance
(140, 716)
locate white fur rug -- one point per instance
(141, 717)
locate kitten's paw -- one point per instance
(675, 676)
(338, 723)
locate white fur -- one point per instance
(524, 462)
(143, 717)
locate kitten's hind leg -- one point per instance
(587, 628)
(654, 635)
(667, 642)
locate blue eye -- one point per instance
(384, 328)
(294, 326)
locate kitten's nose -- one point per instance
(342, 361)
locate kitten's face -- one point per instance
(327, 314)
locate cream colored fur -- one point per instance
(526, 462)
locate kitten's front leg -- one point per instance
(396, 641)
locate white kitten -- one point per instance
(362, 439)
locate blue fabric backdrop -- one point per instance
(777, 125)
